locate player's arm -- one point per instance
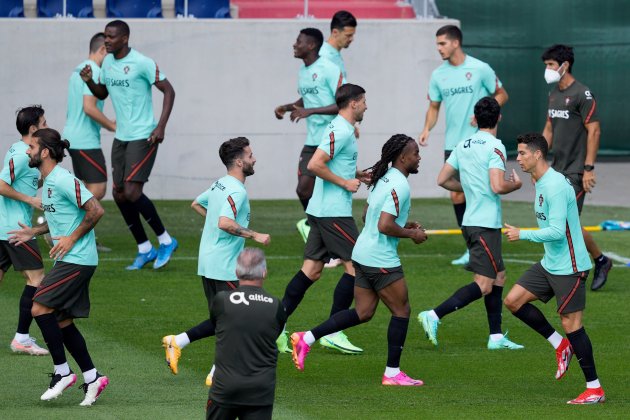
(26, 233)
(97, 89)
(557, 218)
(500, 185)
(318, 166)
(93, 212)
(298, 113)
(230, 226)
(548, 133)
(501, 95)
(199, 208)
(430, 120)
(164, 86)
(387, 226)
(92, 111)
(280, 110)
(592, 146)
(8, 191)
(447, 178)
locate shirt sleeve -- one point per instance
(557, 216)
(75, 192)
(587, 107)
(490, 80)
(335, 78)
(203, 198)
(330, 145)
(16, 168)
(435, 94)
(151, 71)
(393, 202)
(497, 158)
(453, 160)
(232, 205)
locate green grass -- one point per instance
(131, 311)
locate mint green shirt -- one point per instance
(16, 173)
(334, 55)
(63, 197)
(81, 130)
(390, 195)
(473, 158)
(459, 88)
(559, 230)
(218, 250)
(317, 85)
(129, 81)
(340, 143)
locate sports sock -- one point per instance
(338, 322)
(62, 369)
(203, 330)
(459, 299)
(165, 238)
(144, 247)
(496, 337)
(390, 372)
(21, 338)
(26, 303)
(75, 343)
(132, 217)
(295, 291)
(89, 376)
(600, 260)
(583, 350)
(309, 338)
(593, 384)
(343, 295)
(494, 305)
(304, 202)
(147, 209)
(182, 340)
(396, 335)
(53, 337)
(535, 319)
(460, 209)
(555, 339)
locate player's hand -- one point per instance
(352, 185)
(298, 113)
(514, 178)
(413, 225)
(588, 181)
(86, 73)
(20, 236)
(157, 136)
(279, 112)
(423, 140)
(112, 126)
(36, 203)
(262, 238)
(62, 247)
(418, 236)
(513, 233)
(364, 176)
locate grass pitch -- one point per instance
(131, 311)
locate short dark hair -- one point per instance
(50, 139)
(346, 93)
(559, 53)
(316, 35)
(120, 25)
(487, 112)
(96, 42)
(534, 141)
(341, 19)
(452, 32)
(28, 116)
(232, 149)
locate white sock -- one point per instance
(555, 339)
(496, 337)
(165, 238)
(593, 384)
(212, 371)
(144, 247)
(309, 338)
(182, 340)
(433, 315)
(390, 372)
(89, 376)
(62, 369)
(21, 338)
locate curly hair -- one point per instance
(389, 153)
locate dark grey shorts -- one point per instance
(22, 257)
(578, 186)
(89, 165)
(211, 287)
(375, 278)
(330, 237)
(305, 157)
(132, 161)
(484, 245)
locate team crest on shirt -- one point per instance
(567, 99)
(126, 69)
(540, 200)
(314, 76)
(468, 75)
(49, 192)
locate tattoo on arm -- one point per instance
(243, 232)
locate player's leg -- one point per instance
(459, 206)
(396, 297)
(305, 185)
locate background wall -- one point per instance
(228, 77)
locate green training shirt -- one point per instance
(473, 158)
(340, 143)
(334, 55)
(557, 215)
(81, 130)
(390, 195)
(23, 179)
(129, 81)
(218, 250)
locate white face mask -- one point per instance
(553, 76)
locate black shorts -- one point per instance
(375, 278)
(569, 290)
(305, 157)
(66, 289)
(578, 186)
(447, 154)
(22, 257)
(242, 412)
(89, 165)
(330, 237)
(132, 161)
(484, 245)
(212, 287)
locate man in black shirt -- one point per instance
(248, 320)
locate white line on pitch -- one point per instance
(616, 257)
